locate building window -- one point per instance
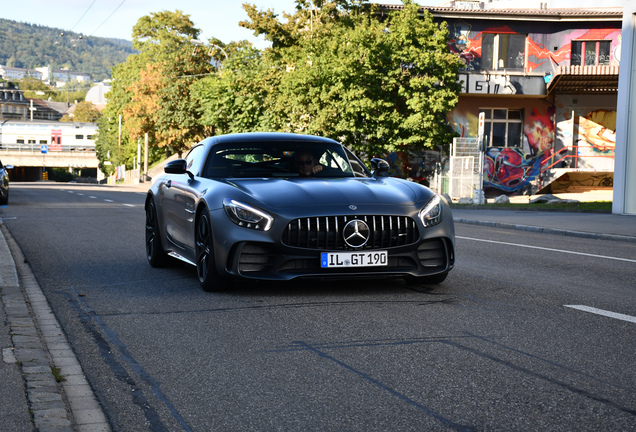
(502, 127)
(20, 141)
(79, 137)
(503, 51)
(31, 141)
(590, 53)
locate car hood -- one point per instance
(282, 193)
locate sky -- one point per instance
(116, 18)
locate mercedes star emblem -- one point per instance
(356, 233)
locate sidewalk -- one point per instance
(42, 385)
(605, 226)
(32, 342)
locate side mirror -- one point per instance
(380, 167)
(177, 166)
(8, 167)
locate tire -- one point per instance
(209, 278)
(157, 257)
(427, 280)
(4, 200)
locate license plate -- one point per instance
(353, 259)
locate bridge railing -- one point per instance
(37, 148)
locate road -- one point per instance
(508, 342)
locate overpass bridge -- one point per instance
(33, 146)
(30, 162)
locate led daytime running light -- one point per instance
(432, 214)
(247, 216)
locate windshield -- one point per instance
(282, 159)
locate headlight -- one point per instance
(431, 214)
(246, 216)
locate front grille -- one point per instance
(325, 233)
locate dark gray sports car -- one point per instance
(276, 206)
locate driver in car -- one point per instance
(305, 164)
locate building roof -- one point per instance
(527, 14)
(60, 107)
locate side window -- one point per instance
(194, 154)
(357, 166)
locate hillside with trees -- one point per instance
(29, 46)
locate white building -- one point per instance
(13, 73)
(62, 76)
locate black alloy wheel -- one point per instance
(208, 276)
(154, 249)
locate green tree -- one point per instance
(36, 89)
(111, 142)
(72, 91)
(85, 112)
(374, 85)
(150, 92)
(160, 94)
(239, 97)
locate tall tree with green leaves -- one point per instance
(373, 84)
(171, 66)
(239, 97)
(150, 92)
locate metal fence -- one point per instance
(465, 171)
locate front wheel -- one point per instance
(157, 257)
(209, 279)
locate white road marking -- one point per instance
(609, 314)
(107, 200)
(91, 196)
(550, 249)
(129, 205)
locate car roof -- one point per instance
(270, 136)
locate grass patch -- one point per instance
(56, 374)
(586, 206)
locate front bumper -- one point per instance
(266, 261)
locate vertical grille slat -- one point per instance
(325, 233)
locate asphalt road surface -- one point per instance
(529, 332)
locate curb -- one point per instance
(553, 231)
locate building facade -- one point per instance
(14, 106)
(544, 82)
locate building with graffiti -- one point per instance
(545, 81)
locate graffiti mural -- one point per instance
(509, 170)
(466, 42)
(512, 170)
(596, 133)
